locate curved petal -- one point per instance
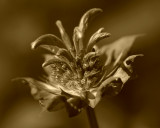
(65, 38)
(60, 59)
(50, 48)
(87, 17)
(47, 39)
(83, 25)
(96, 37)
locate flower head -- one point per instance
(78, 73)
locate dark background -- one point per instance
(22, 21)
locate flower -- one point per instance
(79, 74)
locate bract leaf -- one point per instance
(47, 95)
(118, 49)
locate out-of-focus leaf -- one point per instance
(48, 96)
(38, 86)
(118, 49)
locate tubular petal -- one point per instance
(47, 39)
(83, 25)
(65, 37)
(96, 37)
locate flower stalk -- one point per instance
(91, 117)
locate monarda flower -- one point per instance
(79, 73)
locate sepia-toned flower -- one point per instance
(78, 73)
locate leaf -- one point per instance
(47, 39)
(114, 84)
(53, 103)
(130, 61)
(74, 106)
(118, 49)
(98, 92)
(48, 96)
(36, 85)
(125, 71)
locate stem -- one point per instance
(91, 117)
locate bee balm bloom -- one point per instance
(79, 73)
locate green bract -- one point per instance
(79, 74)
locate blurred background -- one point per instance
(22, 21)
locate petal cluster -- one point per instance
(79, 73)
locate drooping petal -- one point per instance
(54, 50)
(47, 39)
(48, 96)
(60, 59)
(39, 85)
(57, 51)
